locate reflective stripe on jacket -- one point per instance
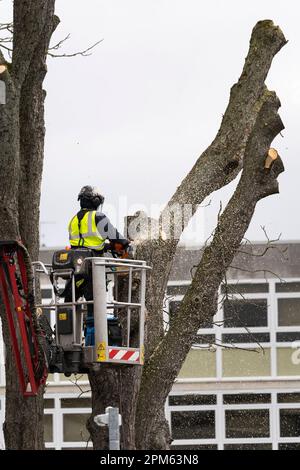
(84, 232)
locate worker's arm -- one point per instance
(107, 230)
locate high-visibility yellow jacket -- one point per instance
(83, 231)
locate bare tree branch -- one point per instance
(84, 53)
(6, 27)
(60, 43)
(77, 384)
(226, 346)
(200, 301)
(5, 40)
(217, 166)
(6, 48)
(254, 271)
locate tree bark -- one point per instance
(116, 386)
(219, 164)
(200, 302)
(22, 148)
(32, 140)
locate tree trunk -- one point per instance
(200, 302)
(116, 386)
(242, 126)
(22, 151)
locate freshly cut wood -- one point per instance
(271, 157)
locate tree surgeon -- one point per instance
(89, 230)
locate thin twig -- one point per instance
(84, 53)
(225, 346)
(6, 27)
(59, 44)
(75, 382)
(2, 46)
(265, 271)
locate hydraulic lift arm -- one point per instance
(19, 304)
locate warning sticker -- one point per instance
(101, 352)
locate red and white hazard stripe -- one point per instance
(124, 355)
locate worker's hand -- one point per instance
(118, 247)
(120, 250)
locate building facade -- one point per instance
(239, 387)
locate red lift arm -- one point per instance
(14, 286)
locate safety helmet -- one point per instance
(92, 195)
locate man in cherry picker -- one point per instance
(90, 229)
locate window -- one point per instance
(245, 420)
(290, 422)
(242, 324)
(196, 447)
(76, 402)
(288, 397)
(241, 288)
(252, 363)
(249, 313)
(246, 338)
(288, 337)
(199, 363)
(70, 413)
(48, 403)
(289, 312)
(193, 424)
(246, 398)
(180, 400)
(243, 423)
(74, 427)
(248, 447)
(177, 290)
(288, 362)
(288, 287)
(289, 446)
(205, 339)
(48, 428)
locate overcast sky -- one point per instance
(133, 117)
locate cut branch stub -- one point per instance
(272, 155)
(267, 127)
